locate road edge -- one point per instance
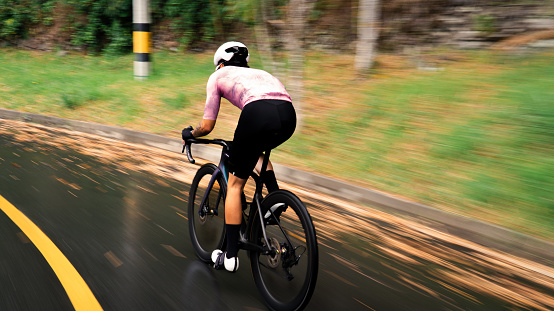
(486, 234)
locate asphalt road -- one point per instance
(117, 212)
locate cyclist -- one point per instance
(267, 120)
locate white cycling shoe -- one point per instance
(221, 261)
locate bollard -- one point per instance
(141, 38)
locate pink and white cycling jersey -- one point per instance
(240, 86)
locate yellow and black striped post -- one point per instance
(141, 38)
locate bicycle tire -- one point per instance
(207, 232)
(270, 272)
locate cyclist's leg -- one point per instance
(233, 219)
(268, 177)
(259, 165)
(242, 160)
(277, 129)
(262, 125)
(233, 213)
(281, 129)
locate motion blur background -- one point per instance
(443, 102)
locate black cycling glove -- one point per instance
(187, 133)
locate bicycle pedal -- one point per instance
(218, 260)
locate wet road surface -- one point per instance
(118, 213)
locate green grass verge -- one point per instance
(474, 138)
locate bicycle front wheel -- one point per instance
(287, 276)
(206, 212)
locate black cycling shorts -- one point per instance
(263, 124)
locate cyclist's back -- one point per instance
(241, 86)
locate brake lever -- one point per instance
(189, 155)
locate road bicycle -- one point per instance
(277, 231)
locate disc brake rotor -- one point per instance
(275, 259)
(202, 215)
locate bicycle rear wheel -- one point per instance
(286, 278)
(207, 219)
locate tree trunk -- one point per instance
(263, 39)
(368, 31)
(297, 16)
(216, 17)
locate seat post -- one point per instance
(263, 169)
(265, 162)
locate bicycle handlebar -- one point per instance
(189, 142)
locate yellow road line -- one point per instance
(78, 291)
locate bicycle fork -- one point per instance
(205, 209)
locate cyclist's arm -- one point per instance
(213, 100)
(204, 128)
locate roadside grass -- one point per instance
(472, 136)
(102, 89)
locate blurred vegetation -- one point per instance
(17, 16)
(472, 135)
(106, 25)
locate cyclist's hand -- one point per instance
(187, 134)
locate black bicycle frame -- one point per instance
(219, 170)
(245, 244)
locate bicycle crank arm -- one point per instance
(253, 247)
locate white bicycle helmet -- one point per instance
(227, 50)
